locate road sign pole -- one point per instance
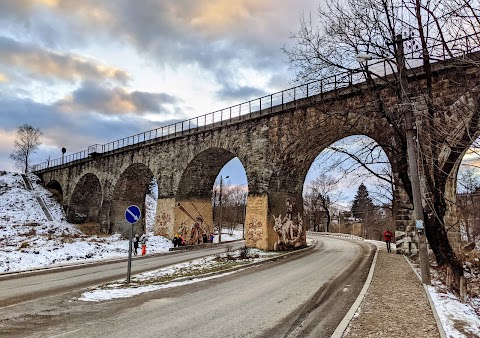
(129, 269)
(132, 216)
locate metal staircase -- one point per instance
(40, 200)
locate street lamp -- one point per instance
(412, 160)
(221, 210)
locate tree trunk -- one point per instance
(436, 232)
(329, 218)
(444, 254)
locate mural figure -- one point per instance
(163, 222)
(192, 233)
(255, 232)
(289, 229)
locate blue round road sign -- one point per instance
(132, 214)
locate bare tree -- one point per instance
(234, 200)
(321, 193)
(235, 203)
(468, 199)
(431, 30)
(26, 143)
(473, 154)
(358, 159)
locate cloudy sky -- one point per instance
(89, 72)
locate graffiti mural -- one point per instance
(193, 233)
(164, 223)
(255, 232)
(289, 228)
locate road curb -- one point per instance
(353, 309)
(441, 330)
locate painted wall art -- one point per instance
(289, 228)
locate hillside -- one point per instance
(28, 240)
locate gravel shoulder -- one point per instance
(395, 305)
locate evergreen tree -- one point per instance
(362, 205)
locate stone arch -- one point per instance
(310, 137)
(463, 113)
(193, 205)
(200, 173)
(129, 189)
(298, 158)
(56, 190)
(452, 218)
(368, 149)
(299, 154)
(85, 201)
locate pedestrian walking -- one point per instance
(211, 237)
(143, 240)
(135, 241)
(387, 236)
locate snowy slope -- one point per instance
(28, 240)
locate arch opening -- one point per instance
(85, 204)
(151, 197)
(56, 190)
(349, 188)
(464, 209)
(135, 183)
(197, 206)
(229, 200)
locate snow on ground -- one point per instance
(28, 240)
(172, 276)
(114, 291)
(456, 317)
(232, 235)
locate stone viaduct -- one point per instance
(276, 138)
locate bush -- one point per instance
(31, 232)
(24, 245)
(229, 250)
(90, 228)
(245, 253)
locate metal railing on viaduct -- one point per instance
(457, 48)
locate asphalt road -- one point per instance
(305, 295)
(21, 287)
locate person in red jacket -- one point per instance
(387, 236)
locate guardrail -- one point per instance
(335, 234)
(439, 52)
(203, 122)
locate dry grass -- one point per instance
(90, 228)
(24, 245)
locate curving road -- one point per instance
(305, 295)
(25, 286)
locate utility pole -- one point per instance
(412, 164)
(221, 212)
(214, 205)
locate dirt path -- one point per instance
(395, 304)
